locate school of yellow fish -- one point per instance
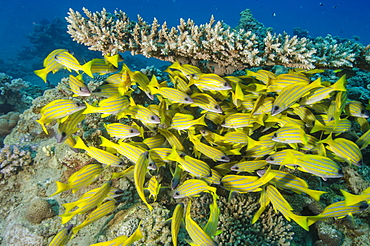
(211, 132)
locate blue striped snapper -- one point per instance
(317, 165)
(50, 65)
(364, 140)
(210, 82)
(83, 177)
(249, 166)
(62, 237)
(210, 152)
(125, 149)
(351, 199)
(290, 134)
(305, 115)
(141, 113)
(185, 121)
(187, 70)
(281, 205)
(194, 166)
(338, 210)
(100, 155)
(121, 81)
(193, 187)
(291, 94)
(57, 109)
(122, 131)
(101, 66)
(123, 240)
(262, 75)
(215, 178)
(142, 80)
(206, 102)
(288, 181)
(238, 120)
(343, 125)
(319, 94)
(278, 158)
(67, 60)
(89, 203)
(214, 213)
(172, 94)
(128, 172)
(156, 141)
(171, 138)
(160, 154)
(106, 90)
(109, 106)
(345, 149)
(284, 80)
(196, 233)
(140, 170)
(98, 213)
(154, 187)
(78, 87)
(176, 219)
(244, 184)
(112, 194)
(69, 126)
(356, 109)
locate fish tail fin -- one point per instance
(200, 120)
(340, 84)
(315, 194)
(173, 156)
(66, 217)
(60, 188)
(351, 199)
(80, 144)
(87, 68)
(112, 59)
(318, 126)
(300, 220)
(312, 219)
(105, 142)
(89, 109)
(41, 122)
(42, 73)
(69, 206)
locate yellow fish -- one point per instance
(62, 237)
(50, 65)
(192, 187)
(176, 219)
(111, 105)
(185, 121)
(69, 61)
(351, 199)
(140, 170)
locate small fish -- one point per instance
(58, 109)
(210, 82)
(211, 226)
(339, 210)
(172, 94)
(128, 172)
(291, 94)
(177, 217)
(109, 106)
(50, 65)
(238, 120)
(278, 158)
(172, 139)
(290, 134)
(281, 205)
(78, 87)
(210, 152)
(121, 131)
(351, 199)
(83, 177)
(356, 109)
(101, 211)
(194, 166)
(249, 166)
(69, 126)
(62, 237)
(244, 184)
(192, 187)
(143, 114)
(317, 165)
(196, 233)
(127, 150)
(187, 70)
(100, 155)
(154, 187)
(106, 90)
(140, 170)
(123, 240)
(185, 121)
(142, 80)
(364, 140)
(100, 66)
(289, 181)
(264, 201)
(215, 178)
(69, 61)
(345, 149)
(160, 154)
(343, 125)
(156, 141)
(89, 203)
(206, 102)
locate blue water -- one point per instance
(343, 18)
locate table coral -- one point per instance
(225, 49)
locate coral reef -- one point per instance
(14, 158)
(38, 210)
(225, 49)
(8, 122)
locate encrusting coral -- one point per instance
(225, 49)
(38, 210)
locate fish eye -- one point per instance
(363, 206)
(217, 107)
(363, 111)
(271, 158)
(177, 193)
(275, 135)
(226, 84)
(182, 155)
(98, 90)
(224, 158)
(186, 99)
(275, 108)
(152, 117)
(236, 168)
(340, 171)
(132, 131)
(64, 134)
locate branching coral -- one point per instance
(13, 158)
(225, 49)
